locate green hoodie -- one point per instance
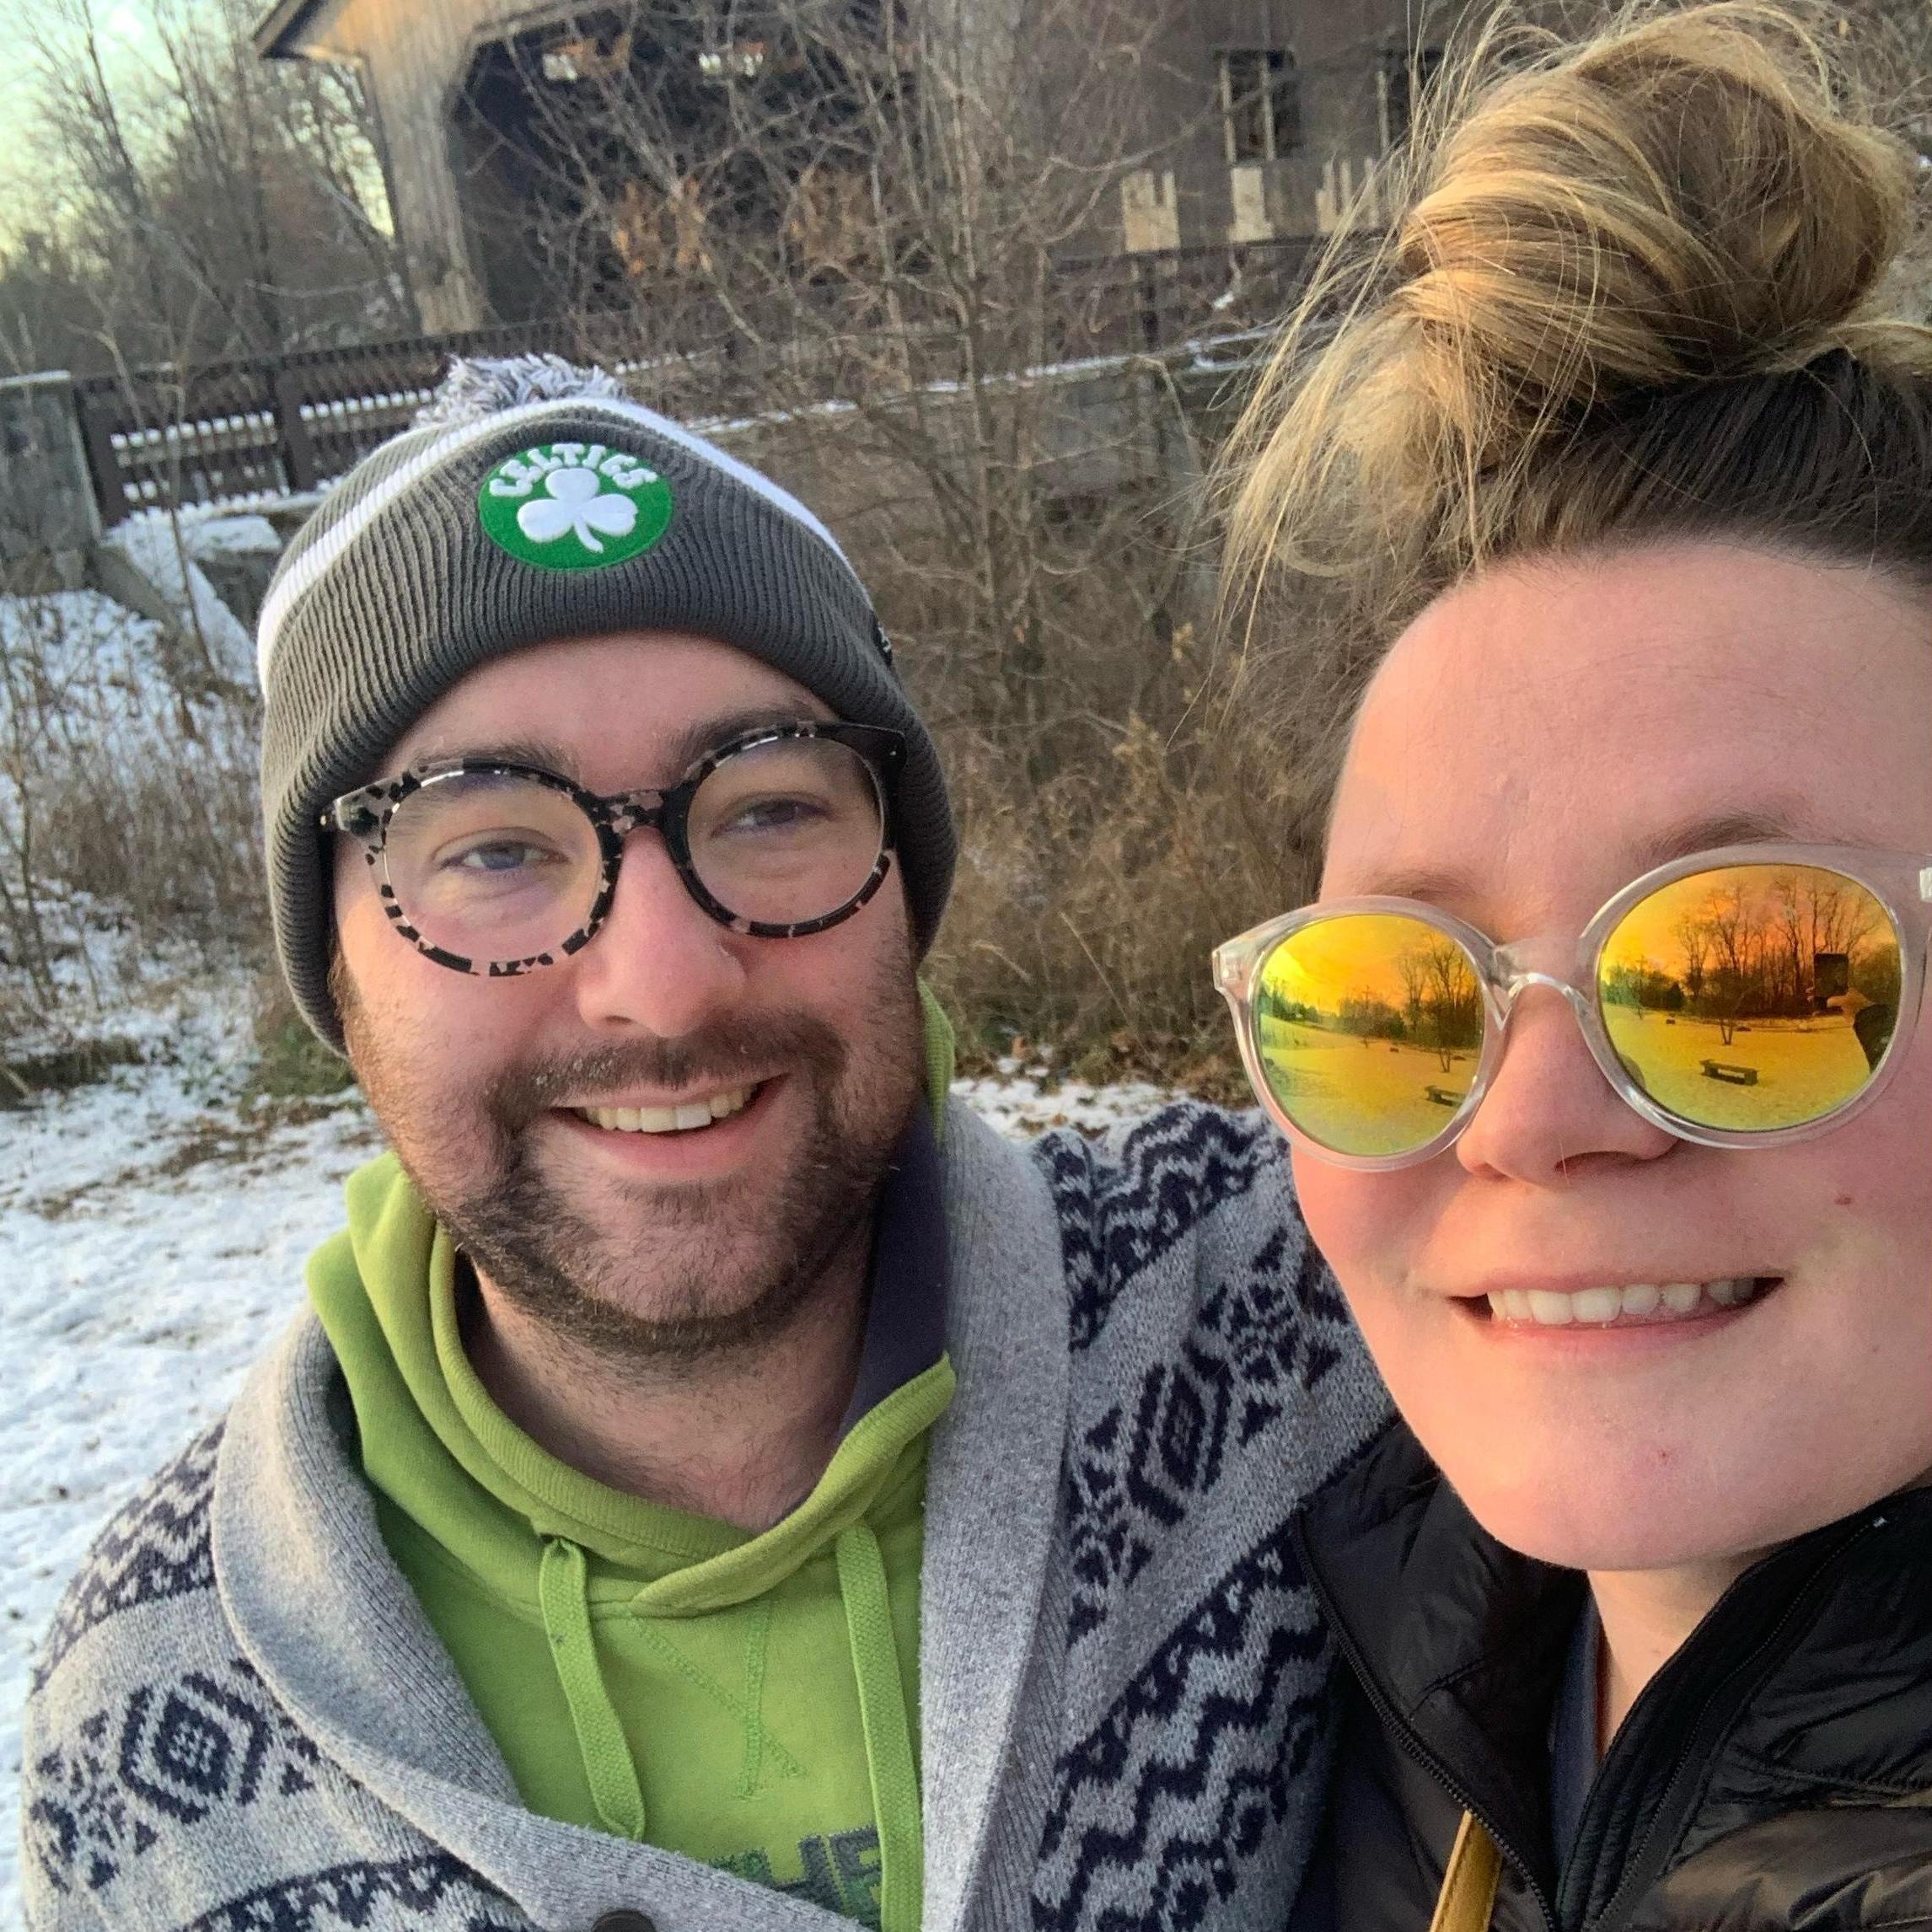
(750, 1701)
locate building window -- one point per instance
(1261, 103)
(1404, 80)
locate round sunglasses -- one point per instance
(1744, 997)
(496, 868)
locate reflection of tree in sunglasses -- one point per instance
(1796, 958)
(1747, 998)
(1740, 998)
(1390, 982)
(1750, 942)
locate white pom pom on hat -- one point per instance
(477, 386)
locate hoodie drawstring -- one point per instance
(563, 1594)
(887, 1733)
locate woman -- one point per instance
(1599, 1052)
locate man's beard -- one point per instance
(646, 1297)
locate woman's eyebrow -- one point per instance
(1434, 883)
(1779, 824)
(1444, 884)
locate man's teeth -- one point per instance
(1641, 1302)
(670, 1119)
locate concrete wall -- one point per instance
(49, 522)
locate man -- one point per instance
(719, 1483)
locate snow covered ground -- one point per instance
(152, 1229)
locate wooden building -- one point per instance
(1259, 120)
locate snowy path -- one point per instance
(152, 1240)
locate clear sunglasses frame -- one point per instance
(1901, 883)
(367, 813)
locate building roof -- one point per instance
(275, 33)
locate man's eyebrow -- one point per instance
(683, 751)
(707, 734)
(538, 752)
(1441, 884)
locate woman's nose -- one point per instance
(1548, 1107)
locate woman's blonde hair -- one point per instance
(1636, 291)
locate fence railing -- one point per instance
(237, 432)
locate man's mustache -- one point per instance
(718, 1056)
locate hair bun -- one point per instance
(1679, 202)
(1604, 235)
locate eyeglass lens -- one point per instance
(1368, 1025)
(495, 866)
(1745, 998)
(1753, 997)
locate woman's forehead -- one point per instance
(1549, 725)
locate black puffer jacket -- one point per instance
(1775, 1775)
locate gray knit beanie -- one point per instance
(534, 501)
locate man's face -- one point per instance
(1528, 739)
(639, 1244)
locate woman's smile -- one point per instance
(1647, 1304)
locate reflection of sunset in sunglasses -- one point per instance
(1754, 996)
(1370, 1024)
(1746, 998)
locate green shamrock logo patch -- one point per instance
(574, 505)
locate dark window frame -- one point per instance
(1260, 91)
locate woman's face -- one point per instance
(1530, 743)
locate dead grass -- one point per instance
(1090, 896)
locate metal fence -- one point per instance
(242, 431)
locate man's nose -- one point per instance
(659, 963)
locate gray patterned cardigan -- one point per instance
(241, 1722)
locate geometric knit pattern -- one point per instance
(153, 1547)
(1181, 1775)
(194, 1751)
(167, 1754)
(1168, 1775)
(397, 1893)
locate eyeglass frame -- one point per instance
(366, 814)
(1503, 975)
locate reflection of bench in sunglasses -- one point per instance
(1724, 1070)
(1443, 1098)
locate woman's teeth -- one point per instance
(1641, 1302)
(669, 1119)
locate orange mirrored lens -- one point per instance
(1753, 997)
(1370, 1027)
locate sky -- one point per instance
(128, 35)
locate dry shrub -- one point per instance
(1129, 792)
(127, 814)
(171, 845)
(1087, 901)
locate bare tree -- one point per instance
(815, 198)
(201, 196)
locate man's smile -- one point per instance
(682, 1116)
(700, 1133)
